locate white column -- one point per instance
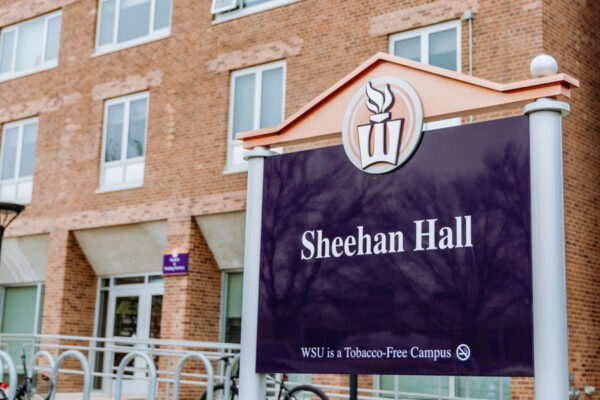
(548, 241)
(252, 385)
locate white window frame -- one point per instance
(124, 161)
(237, 10)
(17, 180)
(258, 70)
(424, 34)
(46, 64)
(114, 46)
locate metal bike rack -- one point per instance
(227, 384)
(12, 373)
(209, 373)
(38, 355)
(87, 374)
(123, 364)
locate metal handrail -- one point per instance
(209, 372)
(160, 342)
(87, 375)
(123, 364)
(12, 373)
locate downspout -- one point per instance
(468, 15)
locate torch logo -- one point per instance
(374, 141)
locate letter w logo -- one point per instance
(380, 140)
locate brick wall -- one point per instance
(187, 75)
(191, 303)
(571, 34)
(69, 299)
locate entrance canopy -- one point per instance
(444, 94)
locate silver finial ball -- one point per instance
(543, 65)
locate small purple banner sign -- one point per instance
(175, 262)
(425, 270)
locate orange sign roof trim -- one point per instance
(322, 117)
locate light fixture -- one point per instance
(8, 213)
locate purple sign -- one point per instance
(175, 263)
(425, 270)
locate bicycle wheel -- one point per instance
(218, 393)
(306, 392)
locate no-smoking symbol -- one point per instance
(463, 352)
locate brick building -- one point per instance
(118, 119)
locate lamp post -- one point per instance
(8, 213)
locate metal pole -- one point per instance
(252, 385)
(353, 386)
(548, 241)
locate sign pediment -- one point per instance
(322, 117)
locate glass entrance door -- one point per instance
(134, 313)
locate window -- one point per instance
(17, 159)
(443, 387)
(225, 10)
(232, 308)
(124, 142)
(437, 45)
(21, 313)
(30, 46)
(126, 23)
(256, 101)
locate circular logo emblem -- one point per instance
(463, 352)
(382, 125)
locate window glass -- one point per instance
(482, 387)
(243, 108)
(18, 315)
(408, 48)
(130, 280)
(271, 97)
(18, 156)
(224, 5)
(126, 316)
(233, 317)
(28, 149)
(257, 99)
(248, 3)
(442, 49)
(435, 45)
(29, 44)
(419, 384)
(9, 152)
(53, 41)
(137, 128)
(155, 316)
(125, 127)
(19, 309)
(107, 22)
(8, 43)
(134, 19)
(114, 132)
(162, 14)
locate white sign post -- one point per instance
(252, 385)
(548, 241)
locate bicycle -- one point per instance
(25, 390)
(300, 392)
